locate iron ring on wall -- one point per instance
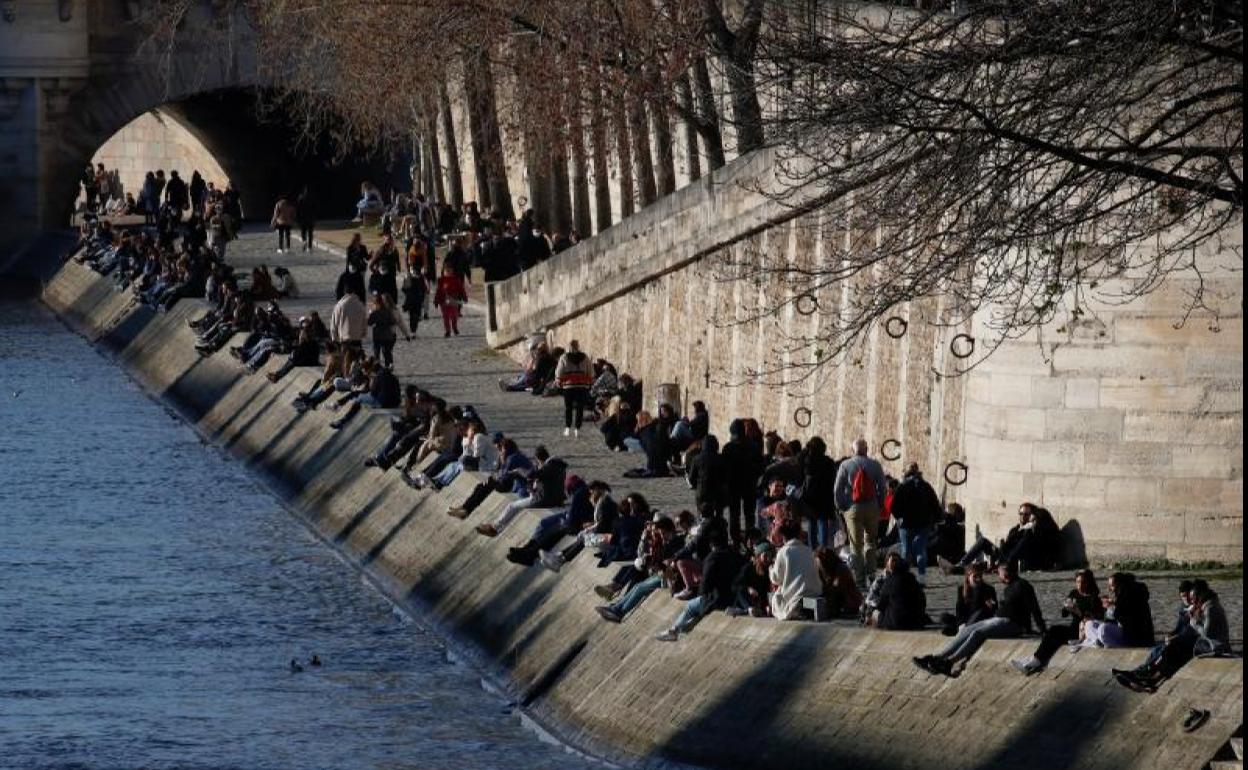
(522, 201)
(954, 466)
(896, 327)
(884, 449)
(806, 304)
(953, 346)
(803, 417)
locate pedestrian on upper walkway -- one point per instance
(450, 297)
(574, 374)
(859, 492)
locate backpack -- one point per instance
(862, 489)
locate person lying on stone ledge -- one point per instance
(715, 592)
(615, 529)
(558, 525)
(324, 387)
(1015, 612)
(594, 531)
(1035, 543)
(478, 454)
(1205, 633)
(660, 541)
(383, 392)
(305, 352)
(544, 487)
(240, 319)
(271, 333)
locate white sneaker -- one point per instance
(552, 560)
(567, 432)
(669, 635)
(576, 433)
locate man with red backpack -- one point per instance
(859, 491)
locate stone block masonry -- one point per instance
(1116, 422)
(738, 693)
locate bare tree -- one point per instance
(1023, 160)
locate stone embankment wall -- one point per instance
(156, 140)
(735, 693)
(1129, 430)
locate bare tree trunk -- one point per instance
(431, 170)
(435, 157)
(665, 154)
(747, 115)
(561, 202)
(476, 133)
(418, 163)
(684, 93)
(712, 137)
(625, 156)
(580, 175)
(454, 179)
(600, 153)
(643, 166)
(484, 117)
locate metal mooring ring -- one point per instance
(953, 466)
(884, 449)
(806, 304)
(803, 417)
(970, 350)
(896, 327)
(522, 201)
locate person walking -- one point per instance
(859, 492)
(916, 507)
(573, 375)
(450, 297)
(305, 215)
(415, 292)
(383, 320)
(283, 221)
(199, 192)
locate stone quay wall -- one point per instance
(1129, 430)
(740, 693)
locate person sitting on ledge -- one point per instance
(619, 425)
(478, 454)
(554, 527)
(1082, 604)
(306, 351)
(897, 602)
(1034, 543)
(976, 601)
(715, 592)
(1128, 618)
(1015, 612)
(840, 589)
(1205, 633)
(753, 582)
(441, 436)
(794, 575)
(412, 421)
(538, 367)
(661, 540)
(324, 387)
(591, 530)
(544, 489)
(383, 392)
(948, 543)
(511, 476)
(656, 442)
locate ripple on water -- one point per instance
(153, 598)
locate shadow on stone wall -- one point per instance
(1074, 549)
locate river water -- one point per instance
(152, 596)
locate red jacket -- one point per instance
(450, 288)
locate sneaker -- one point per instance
(735, 612)
(669, 635)
(370, 462)
(924, 662)
(1026, 666)
(576, 433)
(458, 512)
(521, 557)
(567, 432)
(487, 529)
(686, 595)
(552, 560)
(608, 613)
(336, 425)
(606, 591)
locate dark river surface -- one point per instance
(152, 595)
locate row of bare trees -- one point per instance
(1010, 156)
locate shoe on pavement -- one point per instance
(685, 595)
(576, 433)
(552, 560)
(487, 529)
(608, 613)
(606, 591)
(669, 635)
(458, 512)
(567, 432)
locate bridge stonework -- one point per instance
(1130, 430)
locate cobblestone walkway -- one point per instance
(464, 370)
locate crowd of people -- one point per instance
(777, 528)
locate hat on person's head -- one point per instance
(498, 437)
(571, 482)
(763, 548)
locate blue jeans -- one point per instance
(821, 531)
(691, 614)
(914, 546)
(972, 637)
(448, 474)
(637, 593)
